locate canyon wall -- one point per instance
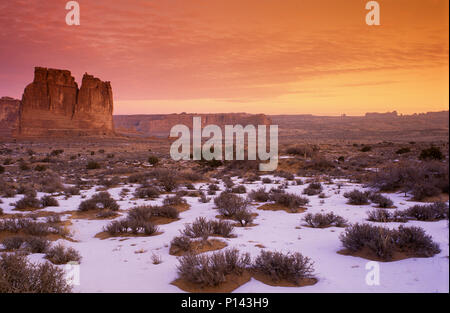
(9, 116)
(159, 125)
(53, 105)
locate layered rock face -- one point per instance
(52, 105)
(9, 116)
(160, 125)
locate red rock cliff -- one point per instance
(52, 105)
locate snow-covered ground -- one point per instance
(114, 265)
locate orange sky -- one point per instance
(258, 56)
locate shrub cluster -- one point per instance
(383, 242)
(288, 200)
(211, 270)
(313, 189)
(357, 197)
(32, 244)
(202, 228)
(20, 276)
(146, 212)
(320, 220)
(61, 255)
(259, 195)
(102, 200)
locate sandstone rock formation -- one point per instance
(52, 105)
(9, 116)
(159, 125)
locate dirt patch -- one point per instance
(105, 235)
(277, 207)
(200, 246)
(260, 246)
(181, 207)
(91, 215)
(265, 279)
(368, 254)
(50, 237)
(443, 197)
(231, 283)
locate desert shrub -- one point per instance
(424, 179)
(302, 150)
(403, 150)
(366, 149)
(13, 243)
(53, 219)
(382, 201)
(131, 225)
(278, 266)
(286, 175)
(28, 202)
(190, 186)
(27, 190)
(31, 244)
(313, 188)
(20, 276)
(415, 239)
(192, 176)
(202, 228)
(93, 165)
(428, 212)
(203, 198)
(266, 180)
(105, 214)
(383, 242)
(259, 195)
(213, 187)
(62, 255)
(288, 200)
(180, 243)
(228, 203)
(146, 212)
(113, 181)
(239, 189)
(153, 160)
(243, 216)
(432, 153)
(384, 216)
(377, 239)
(102, 200)
(147, 192)
(50, 182)
(174, 200)
(71, 191)
(29, 227)
(40, 168)
(357, 197)
(211, 270)
(56, 152)
(318, 163)
(47, 201)
(228, 181)
(324, 220)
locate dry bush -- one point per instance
(288, 200)
(302, 150)
(357, 197)
(228, 203)
(428, 212)
(266, 180)
(313, 189)
(146, 212)
(318, 163)
(382, 201)
(29, 227)
(174, 200)
(30, 244)
(239, 189)
(385, 216)
(211, 270)
(131, 226)
(278, 266)
(243, 216)
(202, 228)
(383, 242)
(181, 243)
(147, 192)
(27, 203)
(61, 255)
(47, 201)
(102, 200)
(259, 195)
(425, 179)
(324, 220)
(17, 275)
(285, 175)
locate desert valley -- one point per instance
(83, 189)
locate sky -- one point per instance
(258, 56)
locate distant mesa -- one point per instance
(9, 116)
(53, 105)
(382, 115)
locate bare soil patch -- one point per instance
(200, 246)
(277, 207)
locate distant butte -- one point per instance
(52, 105)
